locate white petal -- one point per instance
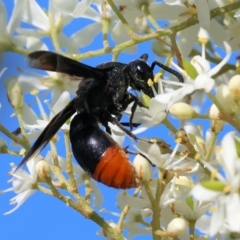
(201, 64)
(202, 194)
(63, 100)
(70, 46)
(134, 202)
(203, 81)
(120, 35)
(31, 166)
(81, 8)
(97, 195)
(36, 16)
(187, 38)
(143, 127)
(182, 208)
(89, 32)
(217, 32)
(33, 43)
(93, 15)
(16, 17)
(29, 116)
(217, 68)
(167, 12)
(203, 223)
(21, 198)
(191, 128)
(203, 13)
(217, 220)
(232, 211)
(229, 154)
(63, 7)
(154, 155)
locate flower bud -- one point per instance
(14, 93)
(182, 111)
(142, 167)
(177, 227)
(224, 97)
(43, 169)
(203, 36)
(216, 123)
(234, 86)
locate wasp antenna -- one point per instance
(53, 126)
(168, 69)
(144, 57)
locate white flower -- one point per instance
(22, 183)
(8, 36)
(34, 126)
(86, 35)
(167, 161)
(133, 225)
(217, 32)
(132, 12)
(158, 108)
(225, 196)
(56, 18)
(203, 80)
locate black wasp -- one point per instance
(100, 98)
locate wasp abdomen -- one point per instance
(115, 170)
(99, 155)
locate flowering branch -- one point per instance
(177, 185)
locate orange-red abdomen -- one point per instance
(115, 170)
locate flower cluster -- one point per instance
(187, 181)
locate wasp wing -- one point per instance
(51, 129)
(51, 61)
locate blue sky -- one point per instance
(42, 216)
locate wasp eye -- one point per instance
(144, 72)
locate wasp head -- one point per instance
(141, 72)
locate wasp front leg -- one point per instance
(128, 99)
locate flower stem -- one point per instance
(10, 135)
(72, 181)
(122, 19)
(23, 131)
(192, 229)
(150, 18)
(156, 212)
(125, 211)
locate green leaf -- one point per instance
(237, 144)
(190, 202)
(214, 185)
(190, 69)
(145, 99)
